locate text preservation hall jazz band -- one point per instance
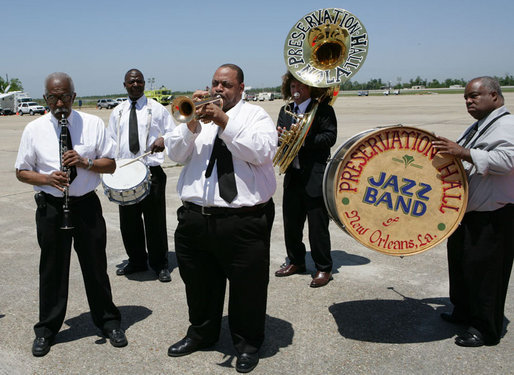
(398, 190)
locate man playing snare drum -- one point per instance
(137, 126)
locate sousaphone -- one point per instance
(323, 49)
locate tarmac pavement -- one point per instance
(380, 314)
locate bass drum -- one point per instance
(391, 191)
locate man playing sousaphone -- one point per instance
(303, 195)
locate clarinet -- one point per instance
(66, 213)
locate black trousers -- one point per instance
(213, 249)
(89, 240)
(480, 256)
(297, 206)
(134, 230)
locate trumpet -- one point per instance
(183, 108)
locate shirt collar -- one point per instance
(302, 107)
(140, 103)
(492, 115)
(55, 121)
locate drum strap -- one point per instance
(118, 134)
(474, 129)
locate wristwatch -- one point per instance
(89, 164)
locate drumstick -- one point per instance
(136, 159)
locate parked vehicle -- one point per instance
(106, 103)
(31, 108)
(120, 100)
(162, 95)
(10, 101)
(266, 96)
(363, 93)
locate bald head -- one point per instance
(59, 94)
(59, 78)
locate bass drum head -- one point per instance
(390, 190)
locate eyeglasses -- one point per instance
(53, 99)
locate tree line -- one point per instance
(14, 84)
(376, 84)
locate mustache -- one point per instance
(62, 111)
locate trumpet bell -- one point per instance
(183, 108)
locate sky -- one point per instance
(181, 43)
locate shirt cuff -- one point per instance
(480, 160)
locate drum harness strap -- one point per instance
(474, 129)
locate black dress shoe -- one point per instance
(116, 337)
(41, 346)
(186, 346)
(129, 269)
(164, 276)
(246, 362)
(450, 318)
(470, 339)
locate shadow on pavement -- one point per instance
(339, 258)
(148, 275)
(394, 321)
(278, 334)
(342, 258)
(82, 326)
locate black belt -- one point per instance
(223, 210)
(72, 200)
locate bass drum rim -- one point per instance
(331, 170)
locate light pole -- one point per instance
(151, 81)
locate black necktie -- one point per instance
(66, 137)
(470, 134)
(225, 167)
(133, 133)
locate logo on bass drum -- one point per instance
(394, 193)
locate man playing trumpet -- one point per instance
(225, 222)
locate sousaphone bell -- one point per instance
(323, 49)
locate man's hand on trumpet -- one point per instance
(210, 111)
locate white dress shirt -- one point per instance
(251, 137)
(491, 175)
(39, 149)
(118, 129)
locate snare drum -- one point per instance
(129, 184)
(390, 190)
